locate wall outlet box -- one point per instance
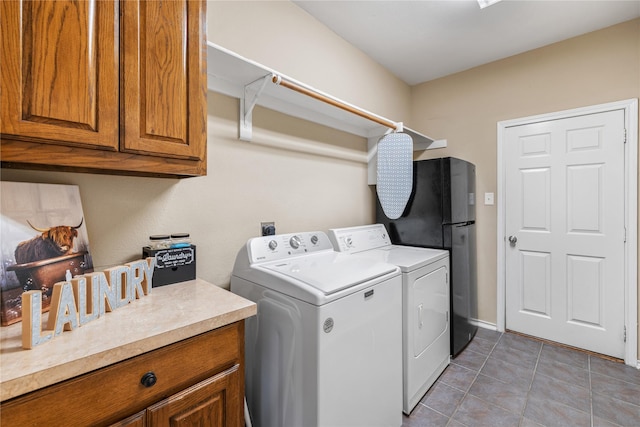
(267, 228)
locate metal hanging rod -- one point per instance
(277, 79)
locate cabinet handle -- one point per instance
(148, 379)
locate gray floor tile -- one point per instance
(458, 377)
(470, 359)
(525, 383)
(443, 398)
(526, 422)
(554, 414)
(615, 388)
(507, 372)
(424, 417)
(489, 335)
(553, 353)
(545, 387)
(507, 396)
(617, 411)
(613, 369)
(454, 423)
(599, 422)
(564, 372)
(504, 351)
(521, 343)
(474, 412)
(480, 345)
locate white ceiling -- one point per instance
(423, 40)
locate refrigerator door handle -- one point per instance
(462, 224)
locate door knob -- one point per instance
(513, 240)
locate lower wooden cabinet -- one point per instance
(135, 420)
(212, 402)
(198, 381)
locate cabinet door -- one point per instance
(135, 420)
(59, 66)
(213, 402)
(164, 78)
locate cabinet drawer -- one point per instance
(115, 392)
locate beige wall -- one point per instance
(284, 37)
(250, 182)
(599, 67)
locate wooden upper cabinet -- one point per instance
(59, 65)
(104, 86)
(164, 78)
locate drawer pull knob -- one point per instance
(148, 379)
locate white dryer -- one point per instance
(425, 303)
(325, 346)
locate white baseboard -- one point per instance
(483, 324)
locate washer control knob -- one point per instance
(295, 242)
(314, 239)
(273, 245)
(349, 242)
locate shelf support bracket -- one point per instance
(248, 101)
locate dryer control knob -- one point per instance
(314, 239)
(295, 242)
(273, 245)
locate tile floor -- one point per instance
(509, 380)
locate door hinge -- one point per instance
(625, 234)
(624, 335)
(625, 135)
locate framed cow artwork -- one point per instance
(44, 241)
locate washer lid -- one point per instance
(328, 272)
(408, 258)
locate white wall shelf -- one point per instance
(238, 77)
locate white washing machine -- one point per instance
(425, 303)
(325, 346)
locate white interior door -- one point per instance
(564, 223)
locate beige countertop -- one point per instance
(167, 315)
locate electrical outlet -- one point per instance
(267, 228)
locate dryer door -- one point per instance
(430, 305)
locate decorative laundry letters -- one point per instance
(83, 299)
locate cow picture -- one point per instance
(44, 241)
(53, 242)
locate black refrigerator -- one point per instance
(441, 214)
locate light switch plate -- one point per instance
(488, 198)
